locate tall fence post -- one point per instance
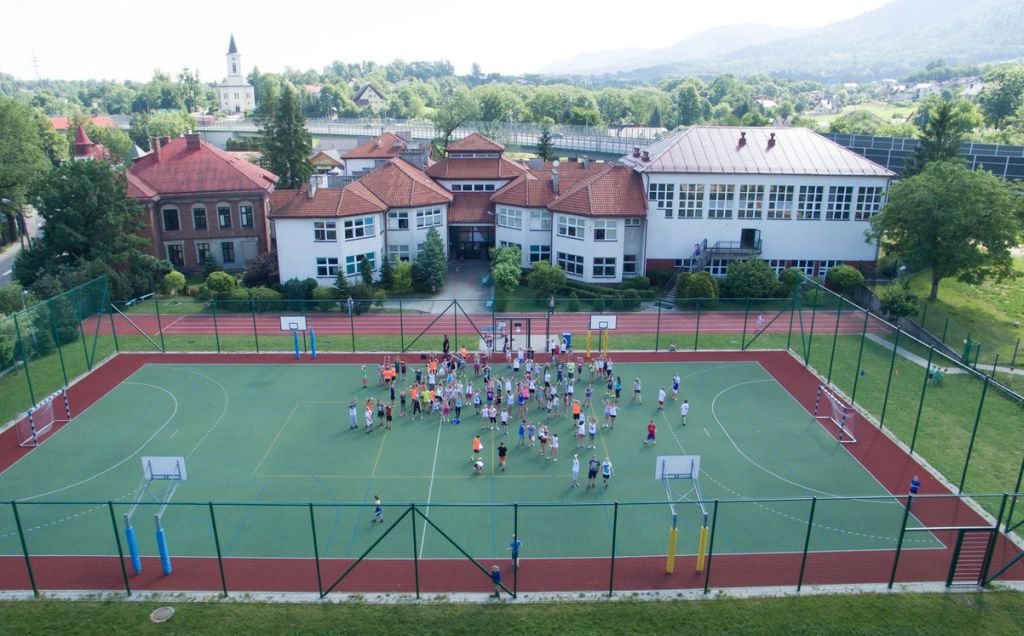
(807, 543)
(216, 331)
(415, 552)
(615, 531)
(120, 550)
(920, 404)
(899, 541)
(24, 549)
(860, 357)
(888, 381)
(924, 320)
(24, 362)
(81, 329)
(974, 434)
(255, 329)
(696, 334)
(220, 555)
(657, 331)
(711, 547)
(455, 315)
(1016, 490)
(746, 316)
(113, 329)
(515, 562)
(810, 334)
(60, 346)
(1016, 347)
(159, 326)
(316, 551)
(793, 305)
(835, 341)
(945, 329)
(401, 328)
(352, 324)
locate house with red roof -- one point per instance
(203, 203)
(377, 151)
(86, 150)
(386, 213)
(61, 124)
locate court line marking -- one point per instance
(430, 489)
(170, 418)
(255, 471)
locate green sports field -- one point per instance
(278, 435)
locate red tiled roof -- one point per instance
(81, 137)
(382, 147)
(205, 169)
(399, 184)
(612, 191)
(499, 168)
(61, 123)
(475, 142)
(470, 207)
(353, 199)
(534, 189)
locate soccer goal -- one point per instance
(42, 417)
(828, 406)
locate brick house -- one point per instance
(202, 203)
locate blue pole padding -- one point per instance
(133, 547)
(161, 544)
(295, 336)
(312, 342)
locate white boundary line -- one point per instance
(430, 489)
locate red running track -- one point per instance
(412, 324)
(880, 455)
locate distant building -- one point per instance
(236, 94)
(323, 161)
(378, 151)
(203, 203)
(61, 124)
(369, 97)
(86, 150)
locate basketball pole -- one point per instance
(589, 333)
(702, 545)
(673, 535)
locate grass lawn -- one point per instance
(887, 112)
(986, 312)
(991, 614)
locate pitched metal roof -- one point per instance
(752, 150)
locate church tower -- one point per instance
(236, 94)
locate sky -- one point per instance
(128, 40)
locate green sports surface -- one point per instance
(278, 435)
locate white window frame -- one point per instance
(629, 264)
(633, 221)
(428, 217)
(840, 202)
(163, 218)
(807, 267)
(809, 203)
(664, 196)
(780, 202)
(326, 266)
(691, 201)
(572, 227)
(511, 244)
(398, 221)
(359, 228)
(572, 264)
(606, 230)
(352, 263)
(869, 202)
(540, 253)
(824, 266)
(325, 231)
(718, 267)
(604, 267)
(721, 201)
(510, 217)
(749, 202)
(540, 220)
(399, 253)
(206, 219)
(221, 207)
(246, 209)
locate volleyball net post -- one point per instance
(673, 470)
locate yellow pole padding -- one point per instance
(605, 336)
(670, 563)
(588, 344)
(702, 545)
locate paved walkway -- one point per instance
(464, 284)
(922, 362)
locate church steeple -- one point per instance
(231, 47)
(234, 59)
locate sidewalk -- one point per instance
(921, 362)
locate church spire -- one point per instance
(232, 49)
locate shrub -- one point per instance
(681, 280)
(750, 279)
(387, 273)
(659, 277)
(573, 304)
(600, 305)
(546, 278)
(631, 299)
(790, 277)
(897, 301)
(845, 277)
(701, 285)
(210, 266)
(637, 282)
(220, 284)
(888, 266)
(265, 299)
(261, 271)
(238, 295)
(173, 283)
(203, 293)
(402, 278)
(297, 291)
(327, 298)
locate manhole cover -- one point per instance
(161, 614)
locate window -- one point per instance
(510, 217)
(224, 216)
(175, 254)
(807, 267)
(780, 203)
(808, 205)
(352, 263)
(721, 199)
(199, 218)
(227, 252)
(245, 213)
(428, 217)
(572, 264)
(398, 220)
(510, 244)
(778, 265)
(750, 198)
(825, 266)
(359, 228)
(202, 252)
(685, 264)
(718, 267)
(326, 267)
(663, 194)
(691, 201)
(629, 265)
(540, 253)
(171, 223)
(456, 187)
(605, 230)
(325, 231)
(869, 202)
(540, 220)
(840, 199)
(633, 222)
(604, 267)
(398, 253)
(571, 227)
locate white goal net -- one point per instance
(40, 419)
(828, 406)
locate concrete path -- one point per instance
(464, 284)
(922, 362)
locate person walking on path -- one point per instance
(496, 579)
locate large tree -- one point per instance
(430, 270)
(457, 106)
(1003, 95)
(953, 221)
(286, 142)
(22, 160)
(944, 126)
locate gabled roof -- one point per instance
(611, 191)
(331, 153)
(81, 138)
(499, 168)
(399, 184)
(178, 169)
(352, 200)
(470, 207)
(534, 188)
(364, 88)
(717, 150)
(475, 142)
(386, 146)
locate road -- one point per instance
(8, 255)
